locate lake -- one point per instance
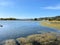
(15, 29)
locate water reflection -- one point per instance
(14, 29)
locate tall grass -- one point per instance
(36, 39)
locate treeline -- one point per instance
(8, 19)
(57, 18)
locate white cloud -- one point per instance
(57, 7)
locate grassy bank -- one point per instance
(51, 24)
(36, 39)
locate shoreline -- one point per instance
(51, 24)
(42, 39)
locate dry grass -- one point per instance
(36, 39)
(52, 24)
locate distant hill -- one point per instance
(35, 19)
(8, 19)
(49, 18)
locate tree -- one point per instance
(35, 19)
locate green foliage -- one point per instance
(7, 18)
(35, 19)
(57, 18)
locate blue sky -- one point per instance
(29, 8)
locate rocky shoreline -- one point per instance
(36, 39)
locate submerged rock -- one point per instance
(36, 39)
(1, 25)
(10, 42)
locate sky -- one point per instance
(29, 8)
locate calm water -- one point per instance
(15, 29)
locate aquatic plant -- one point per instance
(35, 39)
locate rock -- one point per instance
(1, 25)
(10, 42)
